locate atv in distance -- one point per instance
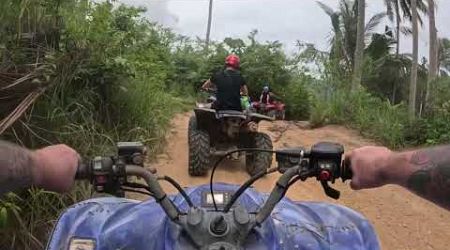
(213, 133)
(274, 109)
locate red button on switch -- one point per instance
(100, 179)
(324, 175)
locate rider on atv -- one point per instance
(229, 84)
(265, 97)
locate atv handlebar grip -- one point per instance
(82, 171)
(346, 170)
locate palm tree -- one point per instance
(359, 51)
(344, 24)
(444, 56)
(433, 70)
(413, 83)
(400, 10)
(208, 29)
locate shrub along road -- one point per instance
(402, 220)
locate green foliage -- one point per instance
(437, 123)
(30, 216)
(297, 98)
(372, 116)
(444, 56)
(110, 75)
(261, 63)
(108, 80)
(379, 110)
(343, 41)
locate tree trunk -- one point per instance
(398, 22)
(208, 29)
(394, 92)
(414, 67)
(359, 52)
(433, 70)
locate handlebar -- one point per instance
(322, 162)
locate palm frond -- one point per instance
(326, 8)
(407, 31)
(405, 6)
(422, 6)
(374, 21)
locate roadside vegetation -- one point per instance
(380, 106)
(91, 74)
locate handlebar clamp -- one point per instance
(108, 174)
(323, 161)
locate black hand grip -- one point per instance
(346, 170)
(82, 171)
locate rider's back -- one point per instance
(228, 83)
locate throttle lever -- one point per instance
(329, 191)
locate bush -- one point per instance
(108, 82)
(297, 99)
(437, 122)
(373, 117)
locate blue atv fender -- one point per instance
(117, 223)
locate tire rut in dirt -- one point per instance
(199, 148)
(257, 162)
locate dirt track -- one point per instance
(402, 220)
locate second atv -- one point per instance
(214, 133)
(274, 109)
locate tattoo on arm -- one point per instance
(15, 167)
(431, 178)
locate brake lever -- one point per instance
(329, 191)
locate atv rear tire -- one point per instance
(257, 162)
(272, 114)
(281, 115)
(199, 149)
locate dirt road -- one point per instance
(402, 220)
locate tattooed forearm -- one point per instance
(15, 167)
(431, 176)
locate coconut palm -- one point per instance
(414, 67)
(401, 10)
(344, 24)
(359, 50)
(444, 56)
(208, 28)
(433, 56)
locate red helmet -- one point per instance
(232, 61)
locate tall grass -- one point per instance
(107, 83)
(372, 116)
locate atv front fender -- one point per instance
(206, 118)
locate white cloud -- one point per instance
(157, 11)
(283, 20)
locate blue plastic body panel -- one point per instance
(116, 223)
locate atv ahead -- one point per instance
(213, 133)
(274, 109)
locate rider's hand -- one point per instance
(370, 167)
(55, 167)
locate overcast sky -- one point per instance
(283, 20)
